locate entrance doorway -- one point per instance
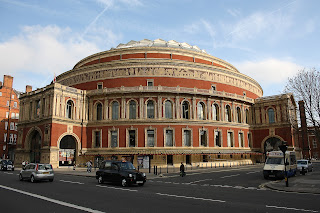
(188, 159)
(35, 148)
(67, 151)
(170, 159)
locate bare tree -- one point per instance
(306, 87)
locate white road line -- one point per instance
(194, 198)
(62, 203)
(122, 189)
(199, 181)
(230, 176)
(288, 208)
(66, 181)
(9, 173)
(252, 172)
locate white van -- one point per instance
(274, 166)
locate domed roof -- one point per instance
(159, 43)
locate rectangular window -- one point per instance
(12, 97)
(16, 127)
(241, 142)
(7, 114)
(11, 139)
(14, 139)
(230, 139)
(7, 103)
(38, 104)
(169, 137)
(11, 125)
(17, 115)
(249, 140)
(150, 83)
(100, 85)
(6, 125)
(114, 138)
(213, 87)
(217, 138)
(0, 93)
(15, 104)
(203, 138)
(13, 115)
(5, 137)
(97, 137)
(132, 138)
(150, 138)
(187, 137)
(314, 144)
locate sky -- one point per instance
(269, 41)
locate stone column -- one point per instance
(159, 107)
(141, 107)
(194, 109)
(177, 108)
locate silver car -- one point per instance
(306, 165)
(37, 171)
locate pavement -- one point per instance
(308, 183)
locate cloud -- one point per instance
(234, 12)
(114, 3)
(269, 71)
(39, 52)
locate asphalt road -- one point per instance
(222, 190)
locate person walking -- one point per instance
(182, 173)
(23, 164)
(89, 166)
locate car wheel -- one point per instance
(266, 177)
(12, 169)
(32, 179)
(20, 177)
(100, 180)
(50, 180)
(140, 184)
(124, 182)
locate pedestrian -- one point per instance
(23, 164)
(74, 165)
(182, 173)
(89, 166)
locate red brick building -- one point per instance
(9, 116)
(153, 103)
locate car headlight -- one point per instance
(130, 175)
(143, 174)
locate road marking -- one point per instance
(230, 176)
(199, 181)
(194, 198)
(9, 173)
(252, 172)
(66, 181)
(62, 203)
(288, 208)
(110, 187)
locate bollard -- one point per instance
(167, 168)
(160, 170)
(138, 168)
(156, 170)
(149, 168)
(211, 165)
(215, 165)
(223, 165)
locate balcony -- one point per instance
(175, 90)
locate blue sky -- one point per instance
(266, 40)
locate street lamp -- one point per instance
(284, 148)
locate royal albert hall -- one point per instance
(153, 103)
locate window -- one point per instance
(228, 113)
(30, 111)
(150, 83)
(69, 109)
(6, 125)
(11, 125)
(249, 140)
(185, 110)
(132, 138)
(314, 144)
(217, 138)
(13, 115)
(0, 93)
(115, 110)
(132, 109)
(17, 115)
(16, 127)
(14, 139)
(38, 104)
(168, 109)
(215, 112)
(11, 139)
(5, 137)
(241, 141)
(169, 137)
(12, 97)
(100, 85)
(15, 104)
(7, 114)
(7, 103)
(187, 137)
(114, 138)
(97, 139)
(150, 138)
(203, 138)
(271, 115)
(247, 116)
(201, 111)
(238, 114)
(99, 111)
(230, 139)
(244, 93)
(150, 109)
(213, 87)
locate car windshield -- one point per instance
(44, 166)
(274, 161)
(7, 162)
(126, 165)
(302, 162)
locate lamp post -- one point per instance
(284, 148)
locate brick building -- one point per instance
(153, 103)
(9, 116)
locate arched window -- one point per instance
(150, 109)
(271, 115)
(168, 109)
(215, 112)
(99, 111)
(247, 116)
(185, 110)
(132, 110)
(201, 111)
(69, 109)
(228, 113)
(238, 115)
(115, 110)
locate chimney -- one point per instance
(7, 81)
(28, 88)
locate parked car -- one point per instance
(120, 172)
(6, 165)
(36, 172)
(306, 165)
